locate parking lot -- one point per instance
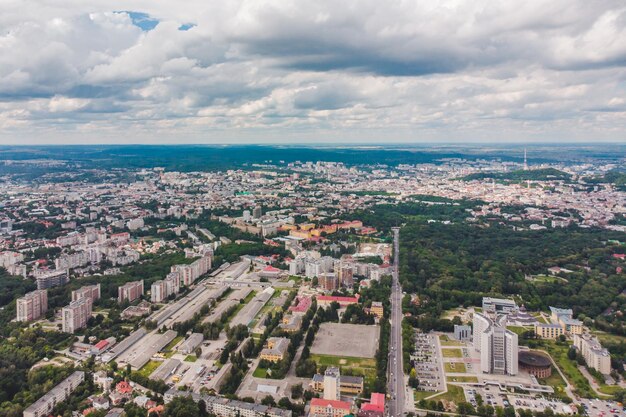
(427, 362)
(598, 408)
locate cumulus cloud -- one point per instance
(93, 70)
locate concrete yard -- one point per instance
(351, 340)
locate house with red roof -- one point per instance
(329, 408)
(326, 300)
(377, 403)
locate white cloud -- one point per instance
(275, 70)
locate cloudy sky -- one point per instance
(89, 71)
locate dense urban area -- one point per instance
(323, 284)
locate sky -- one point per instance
(283, 71)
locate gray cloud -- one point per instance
(283, 69)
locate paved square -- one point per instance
(341, 339)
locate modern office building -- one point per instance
(32, 305)
(498, 305)
(462, 332)
(497, 346)
(45, 405)
(130, 291)
(76, 314)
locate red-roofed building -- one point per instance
(302, 305)
(123, 387)
(326, 300)
(270, 272)
(619, 256)
(377, 403)
(329, 408)
(100, 347)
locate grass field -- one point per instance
(260, 372)
(451, 353)
(191, 358)
(454, 367)
(455, 394)
(419, 395)
(241, 305)
(446, 341)
(148, 368)
(358, 366)
(461, 379)
(569, 368)
(173, 343)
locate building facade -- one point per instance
(32, 305)
(498, 346)
(75, 315)
(59, 393)
(130, 291)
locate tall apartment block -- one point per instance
(49, 279)
(497, 346)
(130, 291)
(76, 314)
(32, 305)
(89, 291)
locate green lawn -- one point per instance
(419, 395)
(358, 366)
(451, 353)
(454, 367)
(173, 343)
(461, 379)
(191, 358)
(149, 367)
(455, 394)
(260, 372)
(569, 368)
(446, 341)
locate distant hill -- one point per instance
(615, 177)
(544, 174)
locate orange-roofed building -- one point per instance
(377, 403)
(124, 387)
(329, 408)
(326, 300)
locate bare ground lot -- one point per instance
(340, 339)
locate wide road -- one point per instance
(395, 369)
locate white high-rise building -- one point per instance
(498, 346)
(332, 384)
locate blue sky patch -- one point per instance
(142, 20)
(186, 26)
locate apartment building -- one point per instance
(595, 355)
(45, 405)
(223, 407)
(49, 279)
(190, 272)
(498, 346)
(76, 314)
(32, 305)
(88, 291)
(130, 291)
(162, 289)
